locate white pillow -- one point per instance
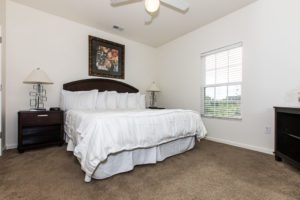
(133, 101)
(101, 100)
(142, 102)
(111, 100)
(122, 100)
(78, 100)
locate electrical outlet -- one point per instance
(268, 130)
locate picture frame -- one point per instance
(106, 58)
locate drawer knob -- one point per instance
(42, 115)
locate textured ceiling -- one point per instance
(168, 25)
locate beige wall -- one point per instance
(1, 11)
(269, 30)
(2, 70)
(60, 47)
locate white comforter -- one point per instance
(94, 135)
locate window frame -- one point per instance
(204, 86)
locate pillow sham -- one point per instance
(133, 101)
(101, 100)
(78, 100)
(122, 100)
(111, 100)
(142, 101)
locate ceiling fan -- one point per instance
(152, 6)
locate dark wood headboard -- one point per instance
(99, 84)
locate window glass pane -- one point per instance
(222, 99)
(210, 93)
(221, 93)
(210, 62)
(222, 75)
(234, 101)
(221, 109)
(235, 56)
(222, 59)
(234, 93)
(210, 77)
(209, 101)
(235, 74)
(234, 109)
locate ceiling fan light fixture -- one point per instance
(152, 5)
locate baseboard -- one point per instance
(11, 146)
(241, 145)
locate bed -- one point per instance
(109, 142)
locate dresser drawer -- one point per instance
(289, 145)
(287, 135)
(40, 118)
(289, 124)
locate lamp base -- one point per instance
(38, 97)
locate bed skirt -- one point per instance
(126, 160)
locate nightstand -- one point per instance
(157, 108)
(40, 128)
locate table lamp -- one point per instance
(153, 89)
(38, 95)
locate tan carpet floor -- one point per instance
(210, 171)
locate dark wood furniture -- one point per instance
(287, 135)
(100, 84)
(39, 129)
(156, 108)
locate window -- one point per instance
(223, 82)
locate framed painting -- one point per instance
(106, 58)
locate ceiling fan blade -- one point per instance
(178, 4)
(117, 2)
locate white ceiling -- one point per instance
(167, 26)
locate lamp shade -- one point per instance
(154, 88)
(38, 76)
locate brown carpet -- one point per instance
(210, 171)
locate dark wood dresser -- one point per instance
(40, 128)
(156, 108)
(287, 135)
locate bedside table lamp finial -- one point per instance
(153, 89)
(38, 96)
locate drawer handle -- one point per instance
(42, 115)
(293, 136)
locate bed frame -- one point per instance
(121, 87)
(100, 84)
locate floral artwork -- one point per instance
(106, 58)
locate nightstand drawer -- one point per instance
(40, 135)
(40, 118)
(39, 129)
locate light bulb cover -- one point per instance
(152, 5)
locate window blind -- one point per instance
(223, 82)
